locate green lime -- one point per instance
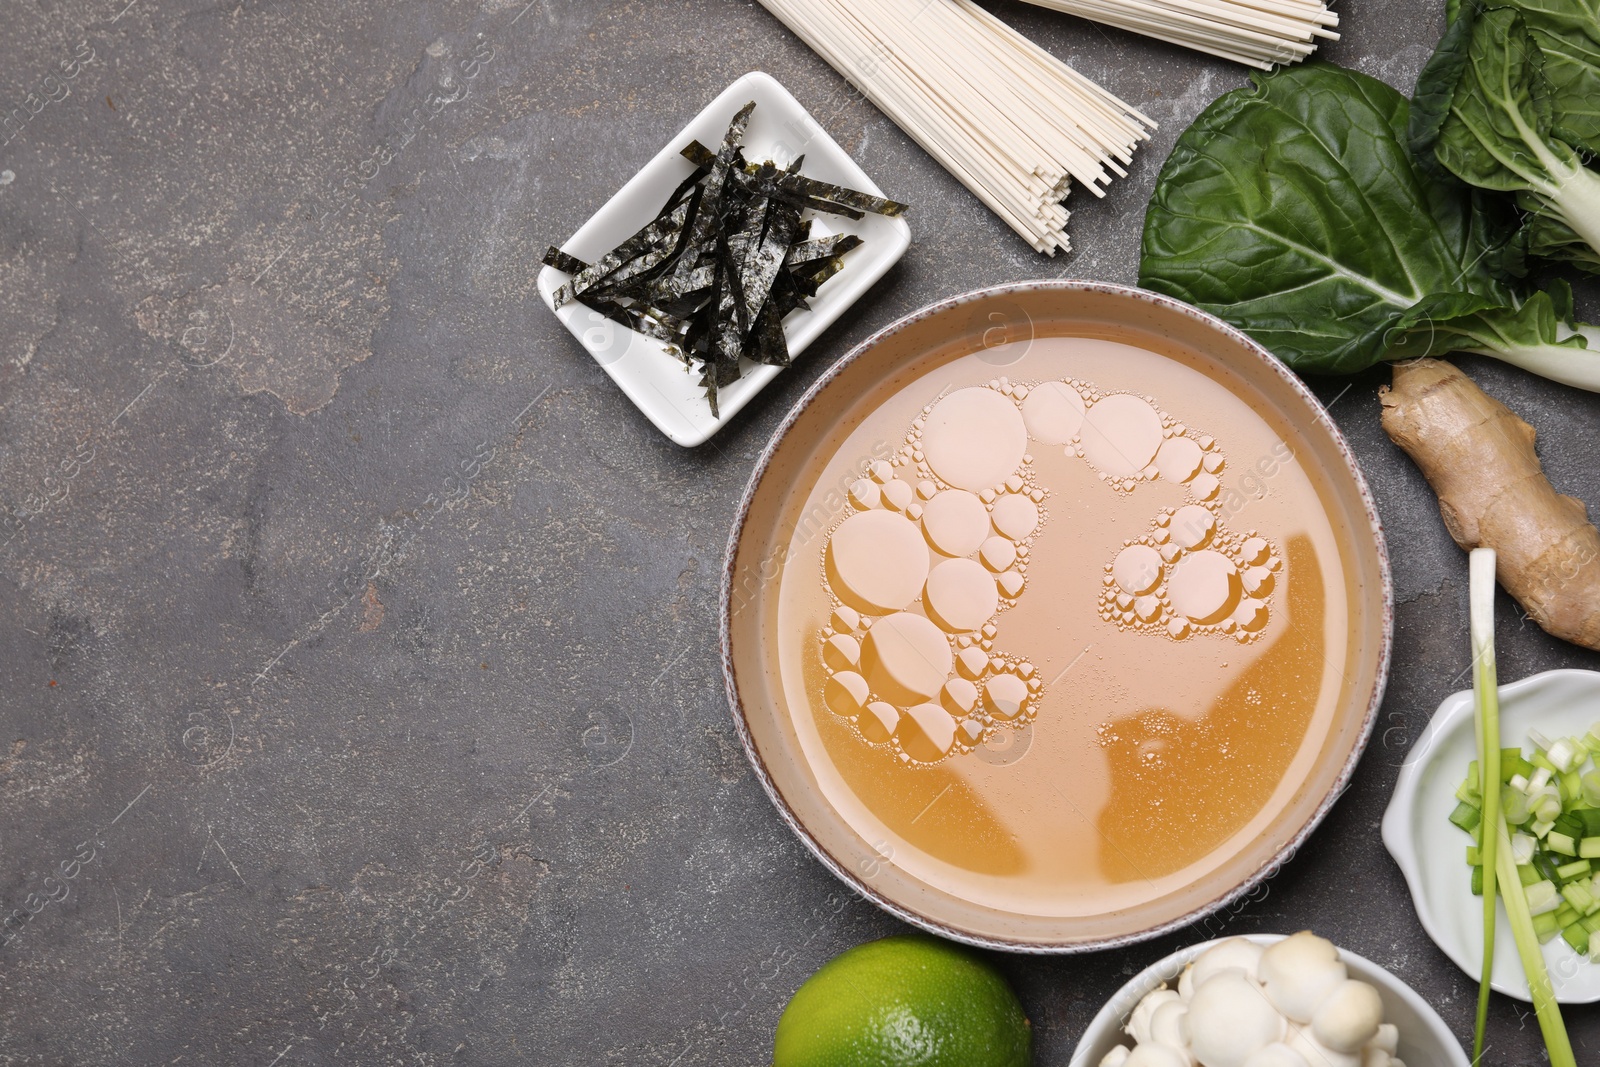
(904, 1001)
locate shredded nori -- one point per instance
(728, 256)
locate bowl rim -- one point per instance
(1273, 864)
(1169, 967)
(1453, 715)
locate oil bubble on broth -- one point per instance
(935, 551)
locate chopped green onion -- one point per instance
(1528, 875)
(1579, 897)
(1564, 754)
(1591, 788)
(1589, 848)
(1556, 841)
(1466, 816)
(1575, 869)
(1571, 787)
(1546, 804)
(1542, 896)
(1522, 848)
(1477, 881)
(1577, 937)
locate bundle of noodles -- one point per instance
(1261, 33)
(1009, 120)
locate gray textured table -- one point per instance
(358, 689)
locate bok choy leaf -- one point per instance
(1294, 210)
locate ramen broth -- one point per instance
(1060, 625)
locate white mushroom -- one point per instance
(1116, 1057)
(1229, 1021)
(1348, 1017)
(1234, 952)
(1318, 1054)
(1277, 1054)
(1298, 972)
(1153, 1055)
(1166, 1026)
(1138, 1026)
(1236, 1005)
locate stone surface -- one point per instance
(364, 635)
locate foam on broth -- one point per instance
(1061, 641)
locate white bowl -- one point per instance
(780, 129)
(1432, 853)
(1425, 1041)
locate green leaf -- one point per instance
(1496, 132)
(1550, 238)
(1568, 34)
(1466, 322)
(1292, 209)
(1488, 113)
(1436, 89)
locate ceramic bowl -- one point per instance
(1425, 1041)
(1431, 852)
(774, 531)
(780, 129)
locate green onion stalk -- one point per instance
(1499, 866)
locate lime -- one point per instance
(904, 1001)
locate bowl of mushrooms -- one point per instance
(1266, 1000)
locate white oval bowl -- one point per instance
(1432, 853)
(1425, 1041)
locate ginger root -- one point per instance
(1479, 458)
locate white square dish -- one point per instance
(780, 129)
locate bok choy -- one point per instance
(1498, 111)
(1293, 209)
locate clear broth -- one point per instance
(1142, 751)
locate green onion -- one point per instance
(1591, 788)
(1542, 896)
(1496, 844)
(1522, 849)
(1575, 869)
(1466, 816)
(1564, 754)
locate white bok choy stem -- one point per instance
(1499, 865)
(1579, 368)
